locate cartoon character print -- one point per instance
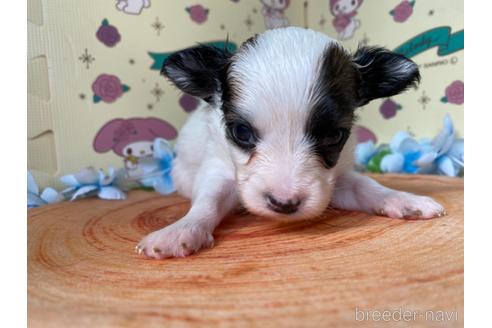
(132, 138)
(345, 11)
(132, 7)
(273, 11)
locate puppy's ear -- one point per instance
(198, 71)
(383, 73)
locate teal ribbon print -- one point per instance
(160, 57)
(440, 37)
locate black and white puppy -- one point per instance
(274, 134)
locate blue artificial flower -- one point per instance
(444, 155)
(91, 182)
(156, 170)
(34, 199)
(404, 151)
(364, 151)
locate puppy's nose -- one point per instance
(285, 207)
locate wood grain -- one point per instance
(83, 272)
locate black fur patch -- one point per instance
(231, 115)
(347, 82)
(251, 41)
(333, 113)
(198, 71)
(383, 73)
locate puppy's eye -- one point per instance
(242, 132)
(242, 135)
(335, 138)
(129, 151)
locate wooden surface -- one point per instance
(83, 272)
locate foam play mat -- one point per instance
(83, 270)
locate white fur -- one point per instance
(276, 90)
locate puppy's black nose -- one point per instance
(285, 207)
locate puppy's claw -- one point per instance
(211, 241)
(413, 214)
(177, 240)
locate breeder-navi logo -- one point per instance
(405, 315)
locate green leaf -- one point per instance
(374, 164)
(392, 12)
(96, 99)
(125, 88)
(105, 22)
(444, 99)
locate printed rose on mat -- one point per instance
(403, 11)
(389, 108)
(108, 88)
(108, 34)
(455, 93)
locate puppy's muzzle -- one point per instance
(284, 207)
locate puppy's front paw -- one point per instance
(403, 205)
(177, 240)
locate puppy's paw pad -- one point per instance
(177, 240)
(401, 205)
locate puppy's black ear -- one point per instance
(198, 71)
(383, 73)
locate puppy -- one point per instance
(275, 134)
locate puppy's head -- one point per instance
(288, 98)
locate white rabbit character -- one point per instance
(273, 11)
(132, 7)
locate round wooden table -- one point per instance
(83, 271)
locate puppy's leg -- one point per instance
(356, 192)
(214, 196)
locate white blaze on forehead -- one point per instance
(274, 75)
